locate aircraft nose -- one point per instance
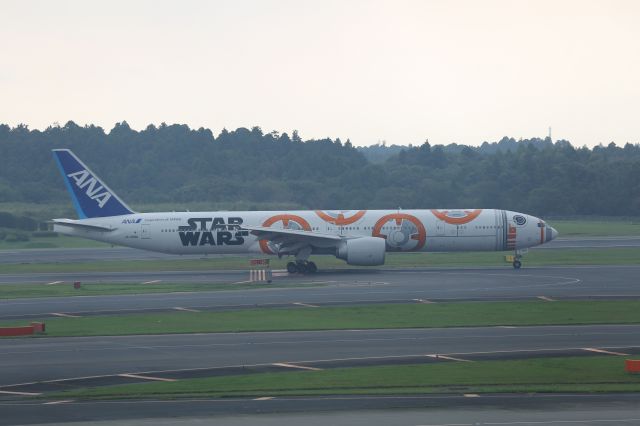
(551, 233)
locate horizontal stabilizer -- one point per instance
(84, 226)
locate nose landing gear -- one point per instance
(302, 267)
(517, 262)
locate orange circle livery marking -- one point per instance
(286, 219)
(339, 219)
(456, 217)
(419, 237)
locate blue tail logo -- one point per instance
(92, 188)
(91, 197)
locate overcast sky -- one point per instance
(398, 71)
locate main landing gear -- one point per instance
(302, 267)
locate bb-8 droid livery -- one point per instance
(413, 231)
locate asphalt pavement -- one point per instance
(351, 286)
(46, 359)
(366, 410)
(35, 363)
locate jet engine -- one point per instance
(364, 251)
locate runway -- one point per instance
(97, 254)
(90, 254)
(335, 287)
(413, 410)
(187, 356)
(41, 360)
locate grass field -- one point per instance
(575, 227)
(596, 228)
(61, 241)
(570, 374)
(64, 209)
(610, 256)
(566, 228)
(357, 317)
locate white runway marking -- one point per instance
(178, 308)
(136, 376)
(423, 301)
(54, 283)
(19, 393)
(61, 314)
(264, 398)
(152, 282)
(305, 305)
(58, 402)
(448, 358)
(301, 367)
(471, 395)
(279, 273)
(539, 422)
(546, 299)
(602, 351)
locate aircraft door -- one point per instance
(443, 233)
(445, 229)
(145, 233)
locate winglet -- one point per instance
(90, 196)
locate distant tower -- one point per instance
(550, 134)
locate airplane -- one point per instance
(359, 237)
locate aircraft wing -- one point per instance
(265, 233)
(290, 241)
(84, 226)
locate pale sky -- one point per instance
(400, 71)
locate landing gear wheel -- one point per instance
(292, 268)
(312, 268)
(302, 267)
(517, 264)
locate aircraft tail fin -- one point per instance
(90, 196)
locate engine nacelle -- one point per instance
(363, 251)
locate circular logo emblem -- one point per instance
(519, 219)
(341, 217)
(456, 217)
(287, 221)
(403, 232)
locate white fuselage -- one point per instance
(221, 232)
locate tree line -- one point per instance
(176, 164)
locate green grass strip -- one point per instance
(357, 317)
(61, 241)
(600, 227)
(596, 228)
(569, 374)
(609, 256)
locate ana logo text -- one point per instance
(91, 187)
(131, 220)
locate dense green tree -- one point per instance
(176, 164)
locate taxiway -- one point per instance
(354, 286)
